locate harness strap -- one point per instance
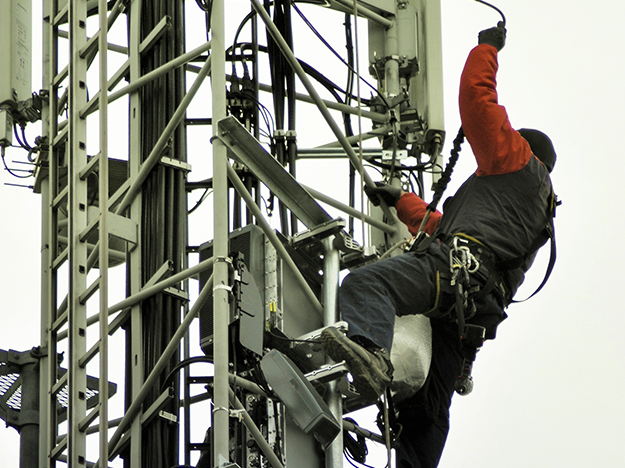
(548, 233)
(552, 262)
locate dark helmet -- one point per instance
(541, 146)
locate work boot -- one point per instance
(371, 369)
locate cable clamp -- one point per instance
(233, 413)
(227, 260)
(237, 413)
(223, 259)
(225, 287)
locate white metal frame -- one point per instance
(65, 323)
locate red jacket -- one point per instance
(497, 147)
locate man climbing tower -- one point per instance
(498, 218)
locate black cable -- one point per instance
(182, 364)
(264, 49)
(200, 201)
(441, 184)
(349, 459)
(419, 167)
(503, 17)
(355, 449)
(347, 118)
(207, 7)
(419, 183)
(204, 5)
(248, 17)
(312, 28)
(320, 77)
(265, 113)
(369, 166)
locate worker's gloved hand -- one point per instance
(494, 36)
(384, 191)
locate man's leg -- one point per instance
(369, 299)
(371, 296)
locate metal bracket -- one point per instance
(317, 233)
(246, 149)
(176, 164)
(22, 358)
(19, 419)
(328, 373)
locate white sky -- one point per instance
(548, 390)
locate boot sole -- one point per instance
(369, 380)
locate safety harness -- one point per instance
(467, 257)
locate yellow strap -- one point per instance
(438, 293)
(471, 238)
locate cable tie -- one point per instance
(223, 259)
(221, 408)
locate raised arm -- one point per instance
(498, 148)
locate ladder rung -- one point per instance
(60, 197)
(63, 74)
(119, 75)
(90, 167)
(61, 136)
(60, 321)
(59, 448)
(58, 386)
(89, 355)
(92, 105)
(165, 268)
(89, 229)
(91, 43)
(178, 293)
(60, 259)
(62, 16)
(154, 36)
(119, 321)
(93, 414)
(119, 194)
(84, 297)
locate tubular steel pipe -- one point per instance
(367, 13)
(149, 292)
(154, 74)
(375, 116)
(103, 233)
(172, 347)
(331, 269)
(284, 255)
(288, 54)
(157, 151)
(376, 223)
(221, 291)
